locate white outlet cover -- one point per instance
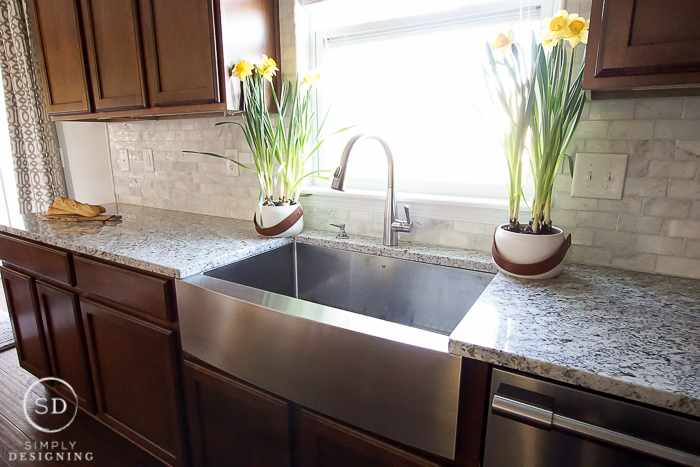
(231, 167)
(599, 175)
(124, 159)
(148, 164)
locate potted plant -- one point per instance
(280, 146)
(543, 101)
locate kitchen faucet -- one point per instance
(392, 224)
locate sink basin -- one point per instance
(423, 296)
(361, 338)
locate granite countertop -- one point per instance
(172, 243)
(632, 335)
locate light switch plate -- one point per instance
(599, 175)
(148, 164)
(124, 159)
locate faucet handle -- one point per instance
(342, 233)
(403, 226)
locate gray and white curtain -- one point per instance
(33, 139)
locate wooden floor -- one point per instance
(108, 448)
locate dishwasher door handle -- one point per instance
(548, 420)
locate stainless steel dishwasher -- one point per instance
(536, 423)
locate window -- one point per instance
(411, 73)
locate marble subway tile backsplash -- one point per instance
(653, 228)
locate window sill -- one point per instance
(475, 210)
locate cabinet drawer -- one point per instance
(145, 294)
(43, 261)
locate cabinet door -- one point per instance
(234, 424)
(65, 338)
(113, 43)
(328, 444)
(134, 367)
(638, 44)
(26, 322)
(59, 38)
(181, 56)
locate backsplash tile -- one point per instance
(655, 227)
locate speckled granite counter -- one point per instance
(632, 335)
(172, 243)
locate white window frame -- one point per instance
(433, 206)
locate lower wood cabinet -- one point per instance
(234, 424)
(324, 443)
(134, 364)
(65, 339)
(20, 292)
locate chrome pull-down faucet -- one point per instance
(392, 224)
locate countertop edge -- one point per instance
(176, 273)
(636, 392)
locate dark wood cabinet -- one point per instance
(234, 424)
(180, 43)
(637, 45)
(59, 36)
(324, 443)
(147, 296)
(113, 45)
(65, 341)
(134, 364)
(120, 59)
(20, 292)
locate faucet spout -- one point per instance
(339, 175)
(392, 224)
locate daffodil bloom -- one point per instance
(548, 42)
(502, 45)
(311, 78)
(557, 27)
(578, 29)
(243, 69)
(268, 68)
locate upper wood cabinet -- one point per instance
(113, 45)
(123, 59)
(638, 45)
(180, 42)
(59, 35)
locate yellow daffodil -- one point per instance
(548, 42)
(243, 69)
(311, 78)
(556, 28)
(269, 68)
(502, 45)
(578, 30)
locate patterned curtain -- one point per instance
(33, 139)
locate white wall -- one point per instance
(86, 161)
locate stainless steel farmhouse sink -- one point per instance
(358, 337)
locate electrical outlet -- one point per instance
(148, 164)
(599, 176)
(124, 159)
(232, 167)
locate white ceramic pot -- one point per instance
(273, 215)
(529, 249)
